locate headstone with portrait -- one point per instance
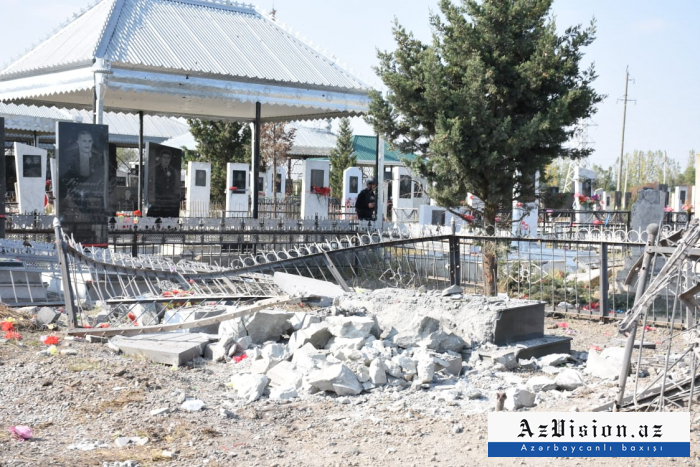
(314, 189)
(352, 185)
(198, 185)
(237, 189)
(83, 198)
(31, 178)
(163, 181)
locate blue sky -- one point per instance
(658, 40)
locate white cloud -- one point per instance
(650, 25)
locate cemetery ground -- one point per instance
(87, 400)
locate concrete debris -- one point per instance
(124, 441)
(218, 351)
(169, 348)
(192, 405)
(249, 386)
(541, 384)
(606, 364)
(377, 372)
(569, 380)
(336, 378)
(555, 359)
(317, 334)
(351, 327)
(426, 369)
(266, 326)
(517, 398)
(46, 316)
(451, 290)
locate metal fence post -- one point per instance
(652, 231)
(65, 276)
(604, 284)
(134, 245)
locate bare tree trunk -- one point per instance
(489, 252)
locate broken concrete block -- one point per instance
(233, 328)
(418, 329)
(275, 352)
(362, 374)
(46, 316)
(336, 378)
(440, 341)
(170, 348)
(317, 334)
(392, 368)
(541, 383)
(283, 374)
(266, 326)
(452, 364)
(254, 354)
(452, 290)
(519, 397)
(377, 372)
(507, 359)
(249, 386)
(351, 326)
(243, 343)
(299, 286)
(408, 366)
(338, 344)
(554, 359)
(426, 369)
(283, 393)
(569, 380)
(530, 364)
(217, 351)
(308, 358)
(606, 364)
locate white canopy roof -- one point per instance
(195, 58)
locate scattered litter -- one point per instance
(21, 432)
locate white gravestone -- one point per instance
(281, 182)
(316, 174)
(198, 184)
(238, 178)
(30, 163)
(352, 186)
(408, 194)
(432, 215)
(583, 185)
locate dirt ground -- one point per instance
(92, 398)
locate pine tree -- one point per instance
(342, 157)
(488, 103)
(219, 142)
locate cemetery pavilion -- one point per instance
(190, 58)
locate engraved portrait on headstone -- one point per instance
(238, 180)
(200, 178)
(82, 183)
(31, 166)
(163, 181)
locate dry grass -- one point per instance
(123, 398)
(85, 365)
(24, 320)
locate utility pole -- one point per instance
(665, 162)
(622, 145)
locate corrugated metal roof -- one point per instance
(74, 42)
(366, 151)
(312, 141)
(32, 118)
(196, 36)
(128, 124)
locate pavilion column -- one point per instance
(380, 182)
(256, 160)
(139, 202)
(101, 70)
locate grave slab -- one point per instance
(171, 348)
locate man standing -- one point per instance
(366, 204)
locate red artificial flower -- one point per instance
(103, 325)
(239, 358)
(51, 340)
(233, 188)
(468, 217)
(13, 335)
(7, 326)
(137, 213)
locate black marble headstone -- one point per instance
(163, 177)
(3, 183)
(354, 185)
(200, 178)
(83, 191)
